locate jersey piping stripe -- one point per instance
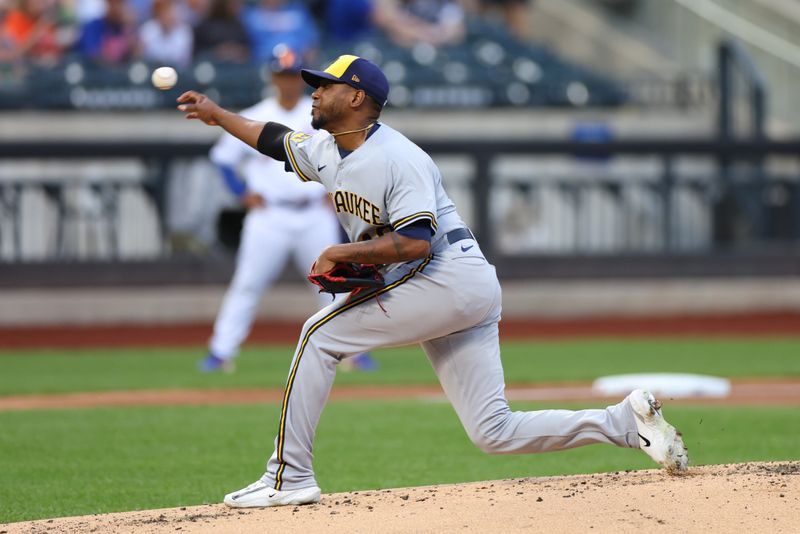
(411, 218)
(314, 327)
(288, 146)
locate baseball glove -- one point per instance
(348, 278)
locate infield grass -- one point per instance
(60, 371)
(71, 462)
(74, 462)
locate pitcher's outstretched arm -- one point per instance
(263, 136)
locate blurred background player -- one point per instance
(284, 216)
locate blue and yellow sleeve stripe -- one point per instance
(290, 157)
(405, 221)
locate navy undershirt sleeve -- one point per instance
(270, 141)
(235, 185)
(417, 230)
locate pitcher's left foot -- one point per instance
(658, 438)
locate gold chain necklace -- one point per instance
(354, 131)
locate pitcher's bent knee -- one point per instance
(487, 444)
(488, 436)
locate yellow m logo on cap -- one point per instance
(341, 64)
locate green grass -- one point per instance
(58, 371)
(55, 463)
(73, 462)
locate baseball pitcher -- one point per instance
(437, 290)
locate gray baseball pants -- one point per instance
(449, 304)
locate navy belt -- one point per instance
(299, 204)
(459, 234)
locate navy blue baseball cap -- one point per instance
(356, 72)
(285, 60)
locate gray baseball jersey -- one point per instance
(449, 303)
(384, 185)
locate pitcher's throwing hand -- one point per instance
(198, 106)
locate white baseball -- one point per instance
(164, 78)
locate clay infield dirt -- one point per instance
(752, 497)
(743, 392)
(762, 324)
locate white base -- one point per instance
(673, 385)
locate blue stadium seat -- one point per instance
(490, 68)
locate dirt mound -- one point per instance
(755, 497)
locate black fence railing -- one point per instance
(740, 81)
(624, 208)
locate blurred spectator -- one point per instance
(142, 10)
(29, 32)
(192, 11)
(515, 13)
(274, 22)
(349, 20)
(409, 22)
(221, 35)
(110, 38)
(86, 10)
(164, 39)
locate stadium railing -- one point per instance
(540, 208)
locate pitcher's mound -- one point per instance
(752, 497)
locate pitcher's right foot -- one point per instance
(262, 495)
(658, 438)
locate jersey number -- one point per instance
(379, 231)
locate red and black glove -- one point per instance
(347, 278)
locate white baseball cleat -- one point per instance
(657, 438)
(261, 495)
